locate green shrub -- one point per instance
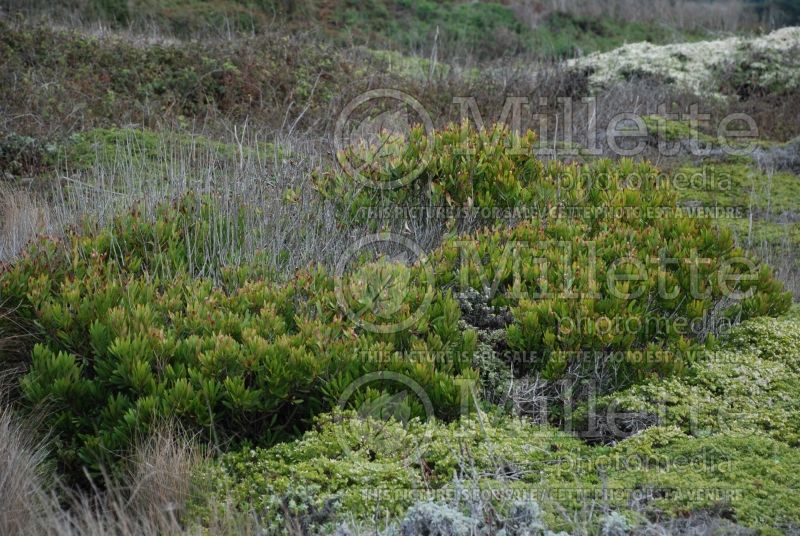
(563, 282)
(129, 336)
(584, 269)
(438, 170)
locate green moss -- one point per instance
(738, 185)
(146, 147)
(673, 130)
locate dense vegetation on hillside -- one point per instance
(225, 309)
(485, 29)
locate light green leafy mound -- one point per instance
(749, 386)
(705, 67)
(754, 478)
(365, 468)
(343, 471)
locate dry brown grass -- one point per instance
(23, 480)
(151, 500)
(251, 185)
(23, 215)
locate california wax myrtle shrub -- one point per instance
(456, 167)
(128, 336)
(604, 259)
(579, 289)
(494, 172)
